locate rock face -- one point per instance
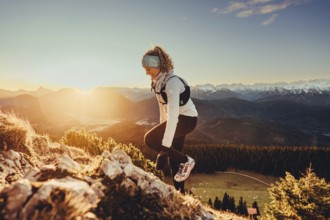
(62, 198)
(57, 185)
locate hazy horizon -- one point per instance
(87, 44)
(146, 87)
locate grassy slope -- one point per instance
(18, 135)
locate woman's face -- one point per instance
(152, 71)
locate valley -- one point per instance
(271, 116)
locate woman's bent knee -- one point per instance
(152, 140)
(147, 139)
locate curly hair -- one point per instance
(166, 63)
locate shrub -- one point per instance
(89, 142)
(95, 145)
(304, 198)
(14, 133)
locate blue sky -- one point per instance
(85, 43)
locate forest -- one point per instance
(270, 160)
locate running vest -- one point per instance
(184, 96)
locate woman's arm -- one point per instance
(162, 113)
(173, 98)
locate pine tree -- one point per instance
(225, 202)
(245, 208)
(210, 203)
(255, 205)
(217, 203)
(231, 204)
(241, 207)
(305, 198)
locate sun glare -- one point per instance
(85, 93)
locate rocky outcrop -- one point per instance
(117, 190)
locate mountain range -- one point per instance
(262, 114)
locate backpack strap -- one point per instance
(184, 96)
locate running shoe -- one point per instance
(184, 170)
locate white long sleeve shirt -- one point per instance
(170, 112)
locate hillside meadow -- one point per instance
(235, 183)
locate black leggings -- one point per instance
(154, 137)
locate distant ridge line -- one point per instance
(318, 84)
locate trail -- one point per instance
(241, 174)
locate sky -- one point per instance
(91, 43)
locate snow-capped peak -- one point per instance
(315, 84)
(206, 88)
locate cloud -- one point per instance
(268, 9)
(245, 13)
(233, 6)
(247, 8)
(269, 20)
(252, 2)
(215, 10)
